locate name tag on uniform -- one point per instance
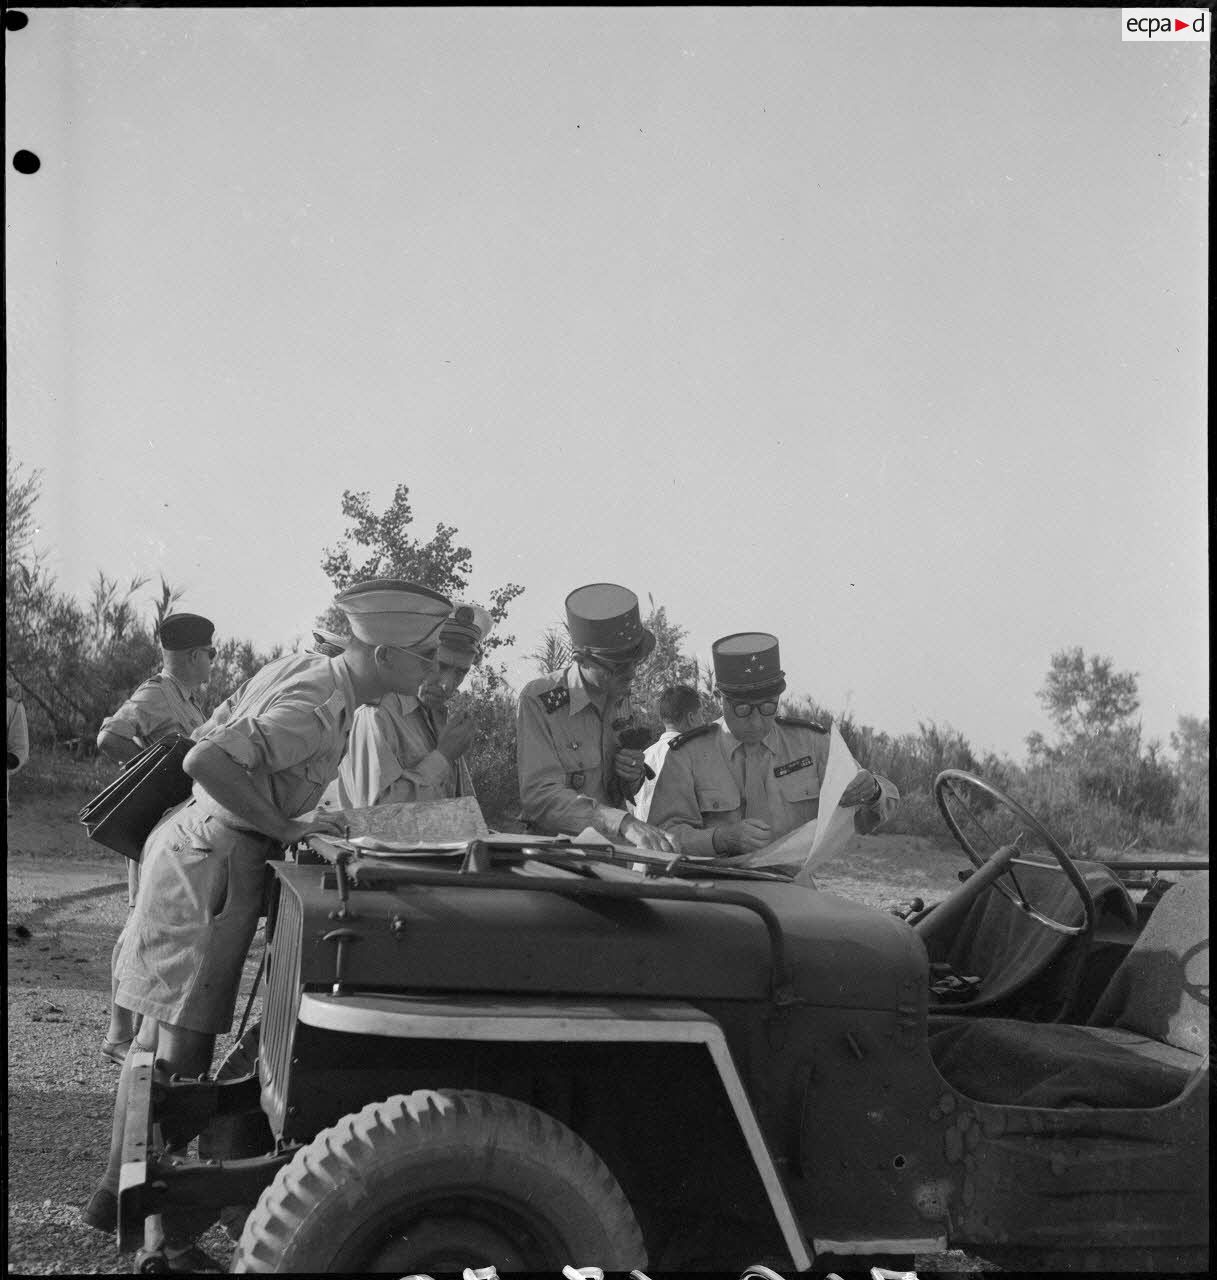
(781, 770)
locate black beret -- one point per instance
(185, 631)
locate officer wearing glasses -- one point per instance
(574, 772)
(752, 776)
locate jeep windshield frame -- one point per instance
(498, 850)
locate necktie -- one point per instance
(429, 722)
(755, 762)
(433, 721)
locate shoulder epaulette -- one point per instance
(695, 732)
(146, 686)
(802, 724)
(554, 699)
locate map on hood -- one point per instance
(421, 823)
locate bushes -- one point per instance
(492, 758)
(234, 663)
(1191, 743)
(1109, 794)
(57, 774)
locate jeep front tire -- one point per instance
(441, 1181)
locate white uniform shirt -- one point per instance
(392, 759)
(654, 756)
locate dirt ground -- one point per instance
(67, 901)
(66, 905)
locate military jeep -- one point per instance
(528, 1053)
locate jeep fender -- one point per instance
(533, 1021)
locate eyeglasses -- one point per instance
(427, 655)
(210, 652)
(745, 709)
(614, 668)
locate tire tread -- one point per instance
(421, 1118)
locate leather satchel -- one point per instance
(122, 816)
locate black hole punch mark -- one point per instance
(26, 162)
(14, 20)
(898, 1162)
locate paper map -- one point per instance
(425, 822)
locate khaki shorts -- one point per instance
(184, 946)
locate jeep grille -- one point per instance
(281, 1004)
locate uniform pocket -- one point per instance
(321, 771)
(716, 799)
(198, 887)
(799, 786)
(578, 759)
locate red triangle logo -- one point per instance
(1181, 26)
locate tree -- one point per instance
(391, 552)
(1087, 698)
(74, 665)
(668, 664)
(1190, 742)
(1100, 754)
(19, 498)
(552, 651)
(234, 663)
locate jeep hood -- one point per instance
(416, 938)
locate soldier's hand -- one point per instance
(627, 765)
(742, 837)
(431, 696)
(317, 822)
(644, 836)
(864, 789)
(456, 737)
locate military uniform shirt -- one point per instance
(392, 758)
(565, 754)
(265, 677)
(287, 726)
(160, 706)
(701, 785)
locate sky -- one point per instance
(881, 329)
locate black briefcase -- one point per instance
(122, 816)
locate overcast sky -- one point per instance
(880, 329)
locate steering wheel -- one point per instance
(1000, 867)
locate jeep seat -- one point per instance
(1023, 966)
(1148, 1034)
